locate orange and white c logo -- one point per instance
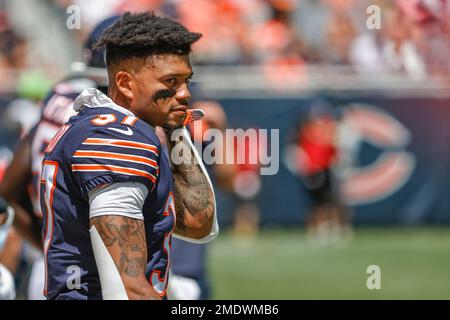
(394, 166)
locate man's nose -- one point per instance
(183, 93)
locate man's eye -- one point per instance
(171, 81)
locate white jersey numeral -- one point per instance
(158, 282)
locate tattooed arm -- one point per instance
(124, 239)
(194, 199)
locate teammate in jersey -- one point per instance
(108, 193)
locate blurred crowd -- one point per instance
(413, 39)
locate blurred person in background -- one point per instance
(277, 36)
(430, 21)
(21, 182)
(413, 41)
(7, 287)
(341, 32)
(16, 73)
(279, 48)
(95, 11)
(365, 51)
(13, 58)
(312, 155)
(247, 185)
(225, 31)
(399, 52)
(13, 50)
(189, 278)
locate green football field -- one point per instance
(281, 264)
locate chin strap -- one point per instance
(193, 115)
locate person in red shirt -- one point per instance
(315, 157)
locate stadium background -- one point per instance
(268, 62)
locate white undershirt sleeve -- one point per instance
(119, 198)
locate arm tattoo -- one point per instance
(125, 240)
(192, 192)
(128, 236)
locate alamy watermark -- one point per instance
(373, 21)
(74, 279)
(374, 280)
(257, 147)
(73, 20)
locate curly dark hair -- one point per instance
(141, 35)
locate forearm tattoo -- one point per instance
(127, 237)
(192, 192)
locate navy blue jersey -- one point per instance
(101, 145)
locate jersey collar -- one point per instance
(93, 98)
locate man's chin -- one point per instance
(172, 125)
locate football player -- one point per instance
(108, 194)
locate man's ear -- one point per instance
(124, 82)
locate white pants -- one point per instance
(7, 289)
(181, 288)
(37, 280)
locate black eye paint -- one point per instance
(164, 94)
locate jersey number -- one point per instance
(104, 119)
(159, 282)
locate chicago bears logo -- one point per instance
(392, 168)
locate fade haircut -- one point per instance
(142, 35)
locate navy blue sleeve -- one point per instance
(116, 154)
